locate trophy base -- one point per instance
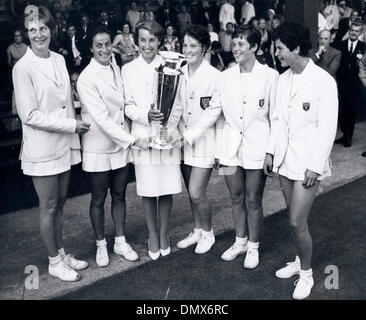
(159, 146)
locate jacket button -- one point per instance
(241, 132)
(189, 113)
(185, 126)
(120, 109)
(241, 118)
(63, 107)
(121, 123)
(244, 102)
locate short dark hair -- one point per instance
(100, 28)
(357, 23)
(251, 34)
(294, 35)
(153, 27)
(201, 34)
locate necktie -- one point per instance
(351, 48)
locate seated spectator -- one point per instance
(213, 35)
(184, 19)
(170, 40)
(133, 16)
(17, 49)
(124, 46)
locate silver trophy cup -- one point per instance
(166, 85)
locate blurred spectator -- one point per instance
(344, 10)
(205, 13)
(184, 19)
(72, 49)
(124, 46)
(324, 55)
(170, 40)
(322, 21)
(166, 15)
(270, 16)
(331, 13)
(85, 28)
(254, 22)
(74, 76)
(17, 49)
(133, 16)
(216, 59)
(150, 16)
(247, 12)
(362, 75)
(213, 35)
(344, 26)
(227, 14)
(225, 38)
(265, 40)
(60, 30)
(264, 57)
(231, 63)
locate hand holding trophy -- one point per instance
(166, 85)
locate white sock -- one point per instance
(121, 239)
(55, 260)
(306, 273)
(208, 233)
(197, 230)
(241, 241)
(62, 252)
(102, 242)
(253, 245)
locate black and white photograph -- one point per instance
(182, 155)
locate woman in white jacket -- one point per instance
(305, 126)
(193, 98)
(248, 92)
(157, 171)
(106, 146)
(50, 143)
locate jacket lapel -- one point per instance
(40, 67)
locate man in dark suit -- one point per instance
(349, 83)
(74, 50)
(325, 56)
(166, 15)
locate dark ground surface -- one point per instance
(337, 224)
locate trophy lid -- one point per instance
(171, 56)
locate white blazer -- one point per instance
(247, 111)
(45, 107)
(191, 102)
(306, 121)
(103, 107)
(138, 94)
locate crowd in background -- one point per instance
(76, 18)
